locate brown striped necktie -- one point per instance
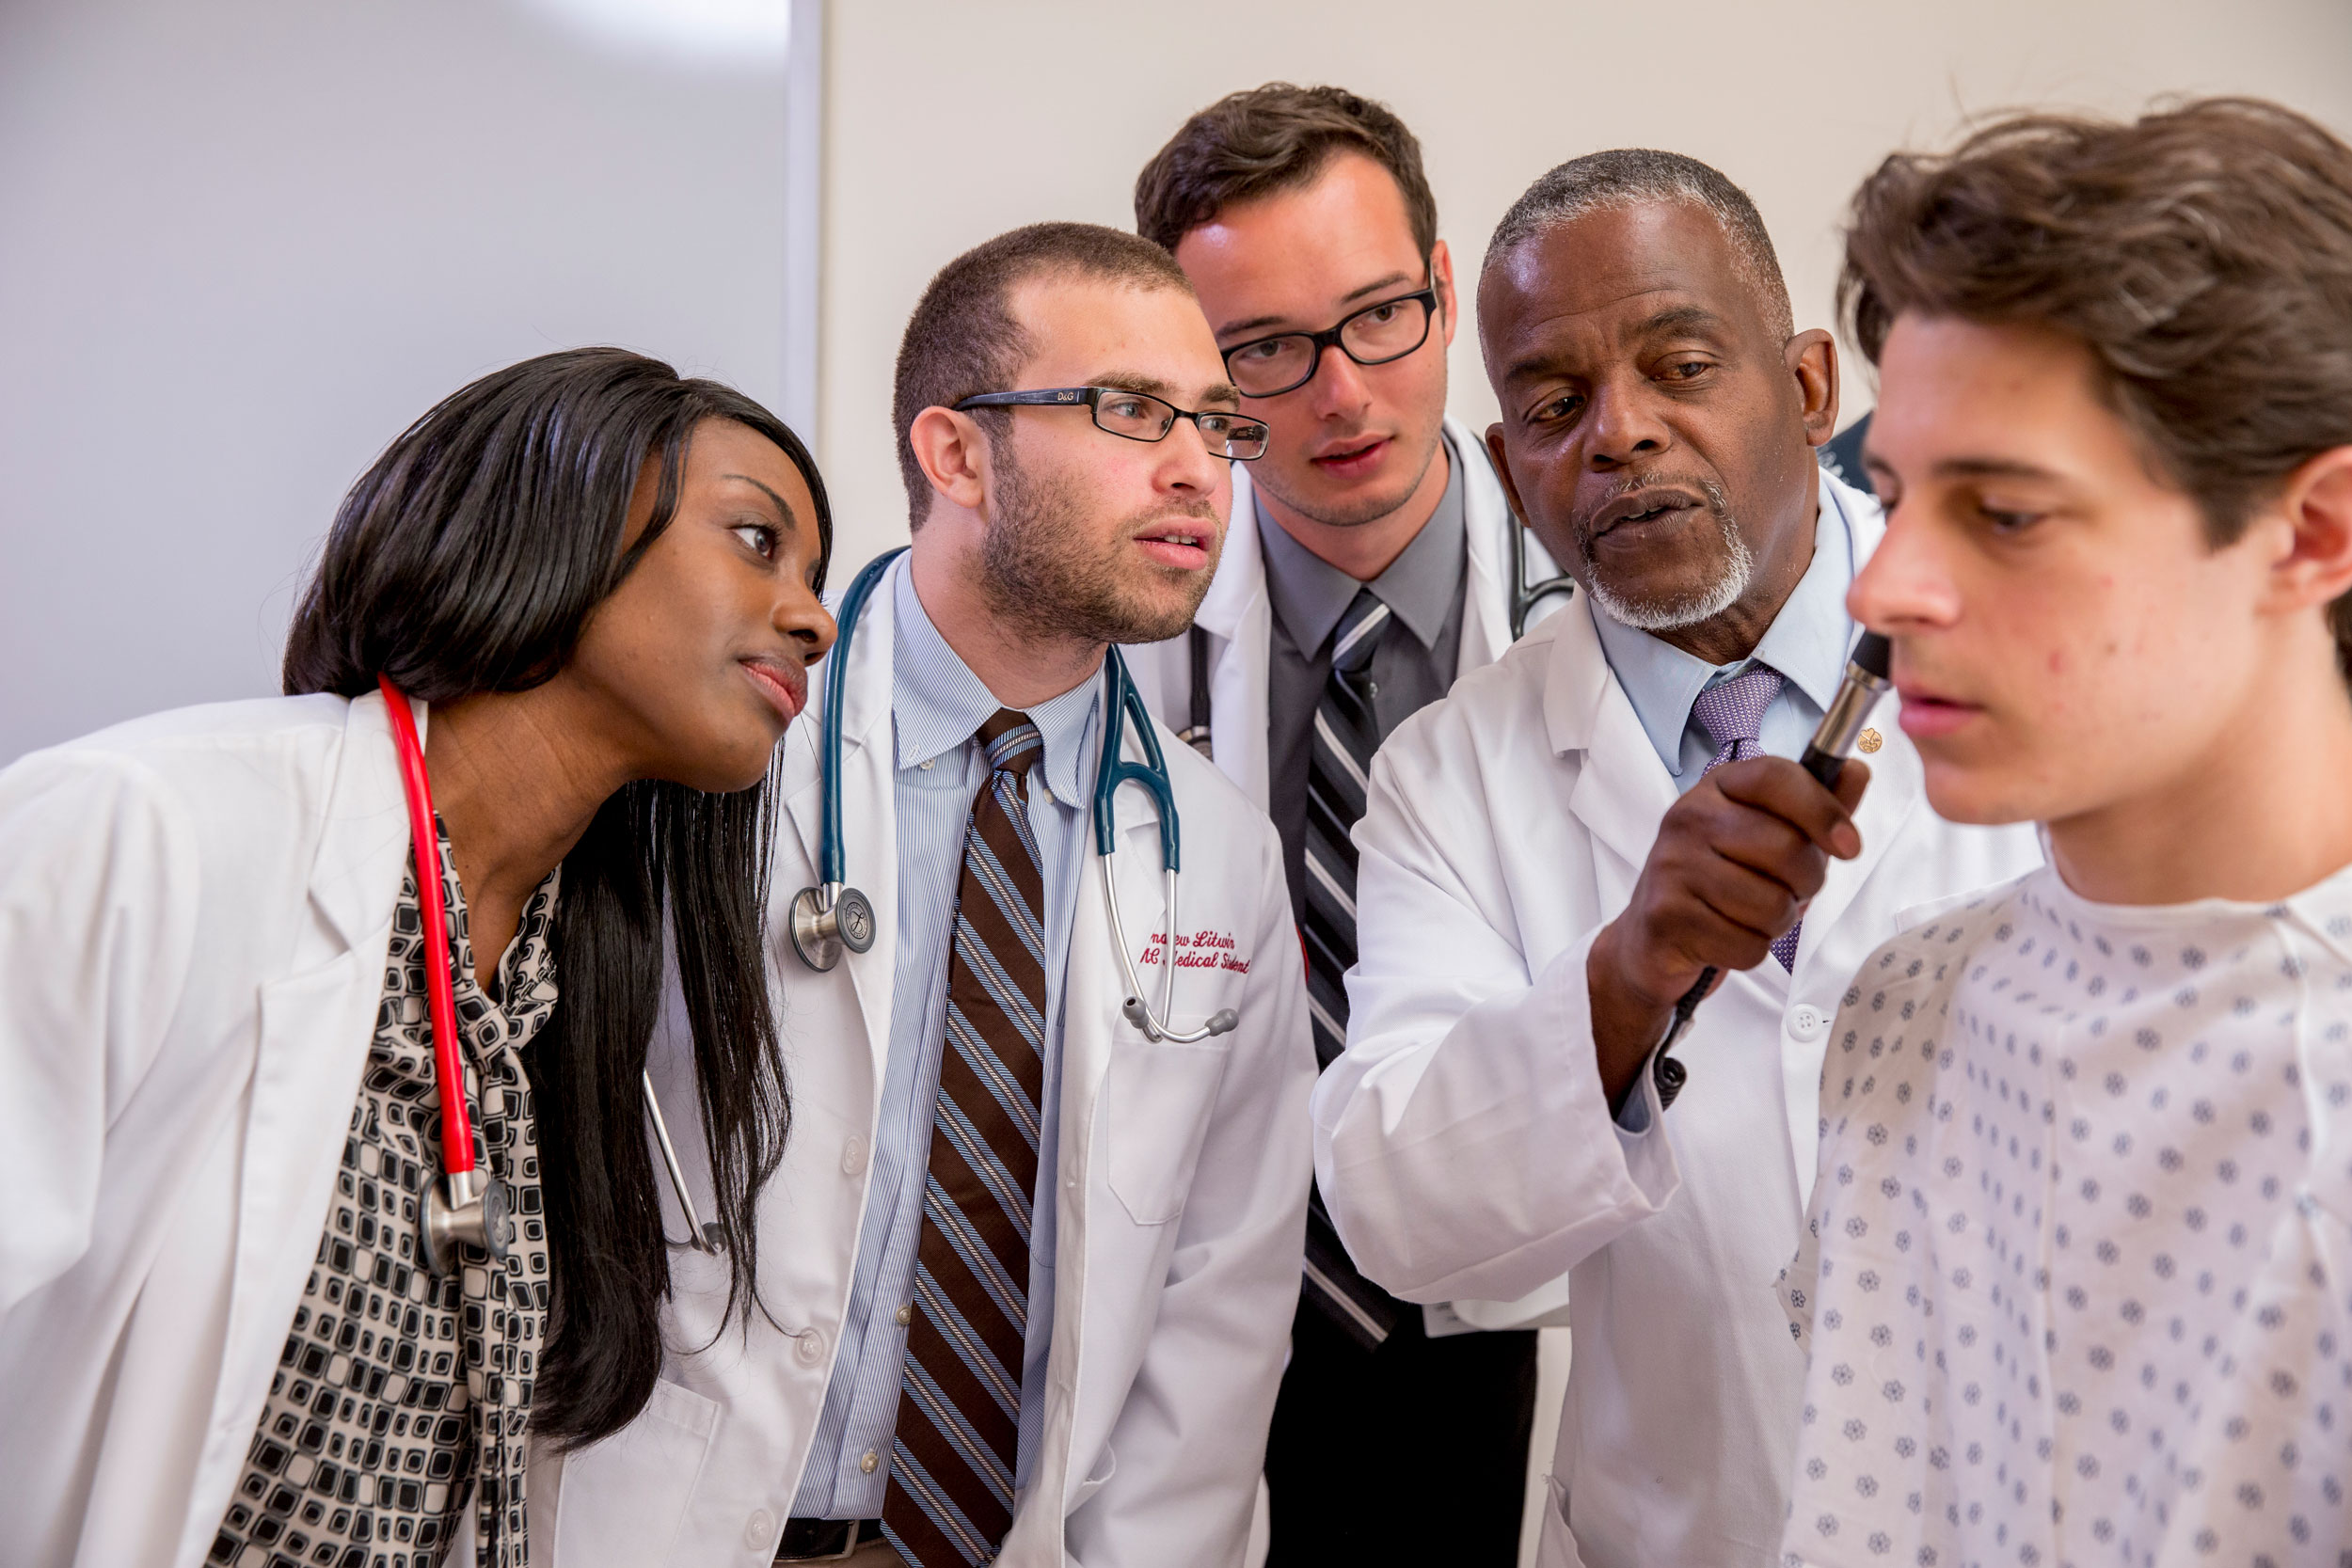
(950, 1502)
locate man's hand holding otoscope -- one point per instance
(1736, 860)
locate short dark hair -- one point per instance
(1273, 138)
(1637, 175)
(466, 559)
(2203, 253)
(963, 339)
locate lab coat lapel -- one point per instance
(1239, 617)
(316, 1025)
(367, 824)
(1622, 790)
(1490, 533)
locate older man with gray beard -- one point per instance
(1551, 857)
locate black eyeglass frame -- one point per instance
(1426, 296)
(1091, 398)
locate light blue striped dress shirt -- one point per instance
(937, 705)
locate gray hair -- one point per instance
(1636, 176)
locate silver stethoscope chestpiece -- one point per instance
(473, 1213)
(826, 920)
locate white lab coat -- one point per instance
(1239, 618)
(1181, 1175)
(194, 914)
(1463, 1142)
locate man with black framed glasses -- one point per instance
(1373, 558)
(1028, 1270)
(1140, 416)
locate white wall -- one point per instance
(242, 242)
(949, 122)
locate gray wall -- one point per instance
(242, 242)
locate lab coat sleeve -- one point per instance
(98, 881)
(1463, 1142)
(1190, 1441)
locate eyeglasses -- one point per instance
(1268, 367)
(1140, 416)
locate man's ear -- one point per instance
(952, 450)
(1502, 470)
(2317, 504)
(1812, 359)
(1441, 279)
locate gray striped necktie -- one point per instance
(1732, 714)
(949, 1500)
(1347, 734)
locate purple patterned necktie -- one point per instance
(1731, 712)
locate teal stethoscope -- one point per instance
(834, 915)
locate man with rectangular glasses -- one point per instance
(1372, 559)
(1028, 1268)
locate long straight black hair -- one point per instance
(466, 559)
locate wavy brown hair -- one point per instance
(2202, 254)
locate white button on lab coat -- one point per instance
(1184, 1173)
(1462, 1140)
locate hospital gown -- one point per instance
(2077, 1286)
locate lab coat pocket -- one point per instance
(1159, 1097)
(624, 1499)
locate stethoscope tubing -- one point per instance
(1121, 702)
(449, 1070)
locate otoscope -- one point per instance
(1825, 754)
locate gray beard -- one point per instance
(1037, 581)
(1673, 614)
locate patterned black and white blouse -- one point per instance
(402, 1395)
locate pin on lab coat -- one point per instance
(194, 915)
(1181, 1176)
(1239, 618)
(1462, 1140)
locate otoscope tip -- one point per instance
(1871, 655)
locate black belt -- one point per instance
(824, 1540)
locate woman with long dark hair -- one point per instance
(265, 1297)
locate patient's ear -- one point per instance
(2317, 505)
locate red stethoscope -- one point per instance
(468, 1205)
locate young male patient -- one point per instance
(2078, 1286)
